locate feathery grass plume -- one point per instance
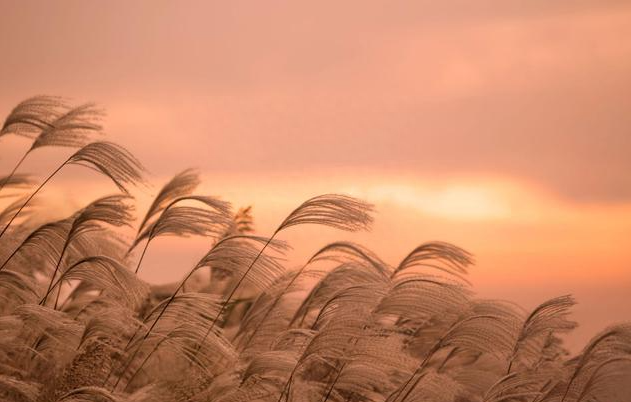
(516, 386)
(334, 210)
(228, 253)
(422, 297)
(339, 323)
(16, 288)
(33, 115)
(549, 317)
(73, 129)
(181, 185)
(435, 387)
(108, 321)
(439, 256)
(110, 210)
(47, 341)
(106, 274)
(175, 220)
(614, 341)
(233, 253)
(602, 381)
(111, 160)
(356, 265)
(267, 317)
(107, 158)
(180, 326)
(371, 366)
(482, 333)
(46, 241)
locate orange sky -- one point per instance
(501, 126)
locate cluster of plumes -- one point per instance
(78, 324)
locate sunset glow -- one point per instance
(502, 127)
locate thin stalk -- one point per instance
(155, 322)
(9, 259)
(13, 171)
(52, 279)
(144, 250)
(150, 236)
(143, 363)
(247, 342)
(328, 394)
(31, 196)
(233, 291)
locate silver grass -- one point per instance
(439, 256)
(109, 210)
(422, 297)
(72, 128)
(107, 274)
(33, 115)
(111, 160)
(106, 158)
(16, 289)
(357, 265)
(338, 211)
(602, 381)
(211, 219)
(345, 326)
(267, 317)
(181, 185)
(614, 341)
(179, 322)
(481, 333)
(547, 318)
(516, 385)
(334, 210)
(339, 323)
(228, 253)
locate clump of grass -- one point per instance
(344, 326)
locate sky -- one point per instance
(500, 126)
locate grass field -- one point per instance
(78, 324)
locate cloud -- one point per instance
(531, 90)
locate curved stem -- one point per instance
(31, 197)
(10, 257)
(52, 278)
(143, 363)
(267, 313)
(144, 250)
(8, 178)
(150, 236)
(233, 291)
(155, 322)
(328, 394)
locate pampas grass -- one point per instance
(343, 326)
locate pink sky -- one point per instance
(501, 126)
